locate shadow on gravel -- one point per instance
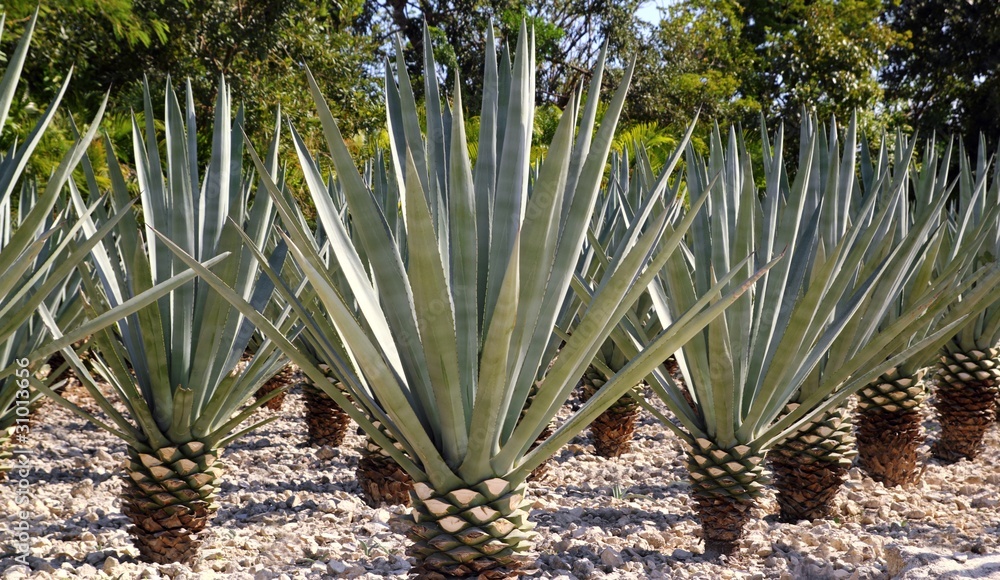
(802, 565)
(74, 475)
(48, 564)
(584, 561)
(609, 519)
(321, 485)
(652, 492)
(963, 541)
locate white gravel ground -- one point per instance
(290, 511)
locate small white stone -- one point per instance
(611, 557)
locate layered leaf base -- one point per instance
(170, 495)
(810, 466)
(965, 402)
(890, 428)
(725, 484)
(326, 422)
(382, 480)
(481, 531)
(611, 433)
(284, 377)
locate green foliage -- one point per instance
(567, 33)
(943, 75)
(822, 55)
(697, 56)
(735, 59)
(173, 365)
(260, 46)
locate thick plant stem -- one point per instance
(381, 478)
(810, 466)
(480, 531)
(725, 485)
(326, 422)
(722, 523)
(965, 401)
(284, 377)
(612, 431)
(169, 494)
(890, 428)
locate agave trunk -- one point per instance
(889, 427)
(612, 431)
(326, 422)
(6, 436)
(382, 480)
(810, 466)
(55, 361)
(282, 379)
(169, 494)
(965, 401)
(725, 484)
(477, 532)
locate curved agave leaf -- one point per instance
(821, 321)
(447, 375)
(171, 363)
(38, 251)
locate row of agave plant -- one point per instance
(450, 308)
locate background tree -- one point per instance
(943, 76)
(692, 62)
(568, 35)
(736, 58)
(261, 46)
(820, 54)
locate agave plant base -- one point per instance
(169, 494)
(890, 428)
(283, 378)
(810, 466)
(382, 480)
(725, 484)
(326, 422)
(722, 522)
(965, 402)
(481, 531)
(887, 446)
(611, 433)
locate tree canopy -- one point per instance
(943, 75)
(927, 64)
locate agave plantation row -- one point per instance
(450, 308)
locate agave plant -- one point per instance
(172, 363)
(889, 420)
(39, 253)
(611, 433)
(766, 369)
(441, 341)
(810, 466)
(969, 371)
